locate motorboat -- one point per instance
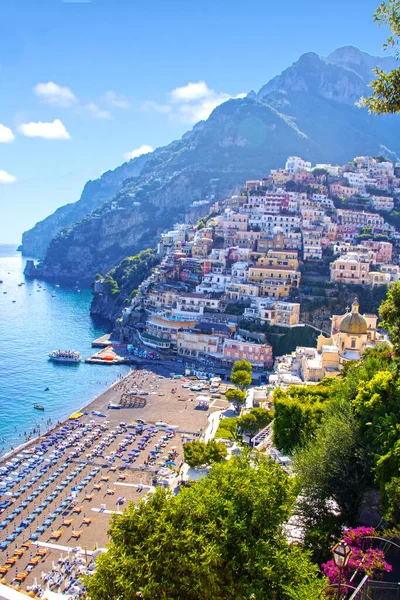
(65, 356)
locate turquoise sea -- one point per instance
(31, 327)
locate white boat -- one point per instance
(66, 356)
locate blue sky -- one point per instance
(84, 84)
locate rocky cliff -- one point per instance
(308, 110)
(36, 241)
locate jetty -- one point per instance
(102, 342)
(107, 356)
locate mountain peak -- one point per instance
(348, 54)
(309, 57)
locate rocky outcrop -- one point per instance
(307, 111)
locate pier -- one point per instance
(102, 342)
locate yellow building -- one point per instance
(192, 344)
(276, 273)
(352, 334)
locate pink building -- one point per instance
(259, 355)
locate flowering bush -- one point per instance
(366, 559)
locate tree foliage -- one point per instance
(242, 365)
(386, 87)
(255, 420)
(122, 280)
(298, 412)
(236, 396)
(390, 315)
(241, 378)
(198, 453)
(220, 539)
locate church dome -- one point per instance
(353, 322)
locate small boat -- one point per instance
(14, 300)
(47, 389)
(57, 285)
(1, 281)
(66, 356)
(38, 407)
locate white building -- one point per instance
(294, 164)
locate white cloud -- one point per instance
(156, 107)
(144, 149)
(49, 131)
(97, 112)
(190, 103)
(191, 91)
(6, 177)
(52, 93)
(6, 135)
(117, 100)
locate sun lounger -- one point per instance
(77, 509)
(19, 552)
(41, 552)
(56, 535)
(35, 561)
(76, 534)
(105, 478)
(4, 569)
(12, 560)
(21, 576)
(89, 497)
(67, 522)
(87, 520)
(97, 486)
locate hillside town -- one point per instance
(219, 282)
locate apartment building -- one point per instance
(259, 355)
(382, 203)
(351, 269)
(268, 222)
(359, 218)
(240, 291)
(212, 283)
(191, 343)
(336, 189)
(294, 164)
(273, 312)
(196, 303)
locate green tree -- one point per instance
(201, 224)
(386, 87)
(227, 428)
(198, 453)
(241, 378)
(255, 420)
(389, 312)
(299, 411)
(220, 539)
(333, 466)
(242, 365)
(236, 396)
(195, 453)
(215, 452)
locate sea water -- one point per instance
(35, 319)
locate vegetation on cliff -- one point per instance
(120, 284)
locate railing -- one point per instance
(376, 590)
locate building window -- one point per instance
(353, 343)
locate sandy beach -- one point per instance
(59, 493)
